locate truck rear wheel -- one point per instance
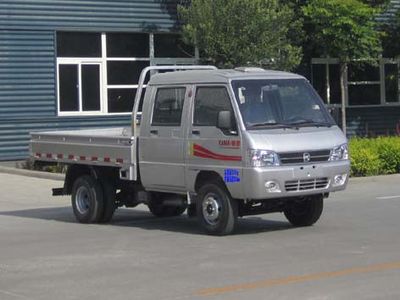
(109, 197)
(216, 210)
(305, 212)
(87, 199)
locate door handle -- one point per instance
(196, 132)
(154, 131)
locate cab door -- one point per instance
(162, 140)
(211, 148)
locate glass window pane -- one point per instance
(171, 45)
(121, 100)
(392, 83)
(78, 44)
(125, 72)
(363, 72)
(319, 80)
(68, 86)
(168, 107)
(128, 45)
(90, 87)
(267, 101)
(334, 81)
(364, 94)
(208, 103)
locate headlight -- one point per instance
(262, 158)
(340, 153)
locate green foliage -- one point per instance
(389, 154)
(345, 29)
(242, 32)
(375, 156)
(364, 159)
(33, 165)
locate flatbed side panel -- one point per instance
(110, 136)
(115, 151)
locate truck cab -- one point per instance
(263, 136)
(229, 143)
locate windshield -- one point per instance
(281, 102)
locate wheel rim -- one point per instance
(211, 209)
(82, 200)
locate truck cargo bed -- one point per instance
(105, 147)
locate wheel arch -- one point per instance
(74, 172)
(207, 177)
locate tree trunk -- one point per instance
(343, 89)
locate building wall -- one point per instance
(108, 15)
(28, 64)
(387, 16)
(28, 59)
(373, 121)
(27, 74)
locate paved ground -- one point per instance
(352, 253)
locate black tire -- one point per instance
(192, 211)
(87, 199)
(109, 199)
(216, 210)
(305, 212)
(158, 209)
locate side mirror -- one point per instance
(224, 121)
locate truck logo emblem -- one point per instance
(306, 157)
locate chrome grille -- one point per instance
(306, 184)
(288, 158)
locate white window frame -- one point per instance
(79, 62)
(381, 82)
(104, 86)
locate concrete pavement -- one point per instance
(352, 252)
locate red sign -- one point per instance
(229, 144)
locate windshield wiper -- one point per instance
(310, 123)
(271, 125)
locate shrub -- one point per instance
(374, 156)
(365, 162)
(389, 154)
(30, 164)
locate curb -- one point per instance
(35, 174)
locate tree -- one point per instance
(231, 33)
(345, 30)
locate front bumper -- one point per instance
(295, 180)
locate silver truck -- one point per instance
(220, 144)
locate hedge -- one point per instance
(374, 156)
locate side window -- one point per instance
(209, 102)
(168, 107)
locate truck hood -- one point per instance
(291, 140)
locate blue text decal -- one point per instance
(231, 175)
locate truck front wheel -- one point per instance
(87, 199)
(305, 212)
(216, 210)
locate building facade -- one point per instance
(68, 64)
(372, 91)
